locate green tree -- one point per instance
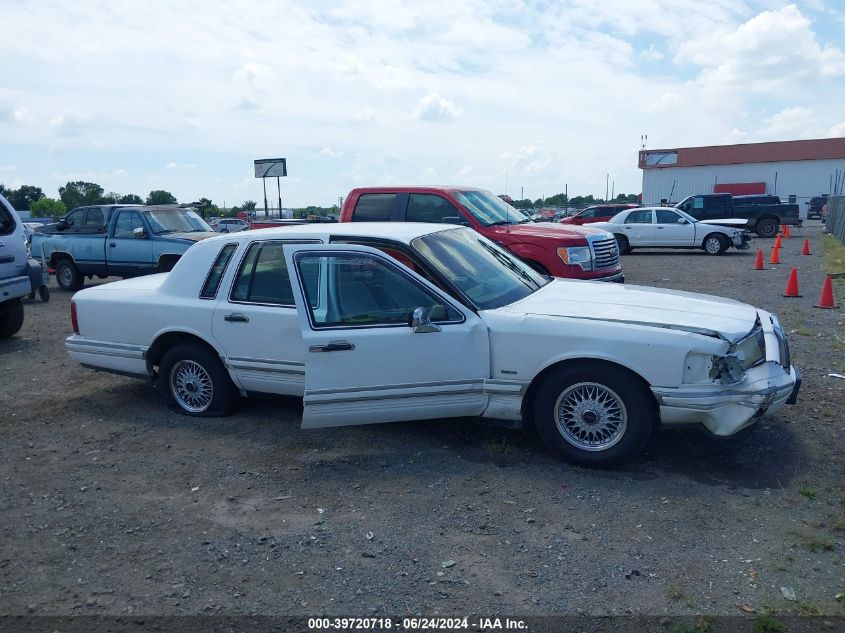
(160, 196)
(248, 205)
(557, 200)
(130, 198)
(81, 193)
(47, 207)
(23, 197)
(523, 204)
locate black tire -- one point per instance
(715, 244)
(44, 294)
(165, 265)
(618, 392)
(767, 227)
(211, 390)
(11, 317)
(623, 244)
(68, 276)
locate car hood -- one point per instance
(548, 230)
(191, 237)
(656, 307)
(731, 222)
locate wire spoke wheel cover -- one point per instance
(590, 416)
(714, 245)
(191, 386)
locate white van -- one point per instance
(15, 270)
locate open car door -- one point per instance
(382, 344)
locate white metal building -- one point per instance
(784, 168)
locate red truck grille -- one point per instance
(606, 253)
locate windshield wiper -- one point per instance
(509, 263)
(501, 222)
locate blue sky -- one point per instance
(183, 96)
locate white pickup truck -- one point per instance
(19, 275)
(381, 322)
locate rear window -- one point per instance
(374, 207)
(215, 275)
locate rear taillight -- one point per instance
(73, 322)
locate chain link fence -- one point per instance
(836, 217)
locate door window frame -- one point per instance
(388, 261)
(242, 262)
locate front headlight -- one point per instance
(741, 356)
(579, 255)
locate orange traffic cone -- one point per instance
(792, 284)
(786, 231)
(806, 249)
(758, 263)
(775, 259)
(826, 297)
(777, 241)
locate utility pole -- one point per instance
(606, 186)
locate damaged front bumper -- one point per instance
(727, 409)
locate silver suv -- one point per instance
(231, 225)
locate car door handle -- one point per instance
(236, 317)
(627, 228)
(113, 245)
(334, 346)
(660, 227)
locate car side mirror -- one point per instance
(139, 233)
(63, 224)
(421, 322)
(682, 220)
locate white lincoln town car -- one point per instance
(382, 322)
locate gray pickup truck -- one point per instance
(117, 240)
(763, 214)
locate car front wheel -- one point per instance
(715, 244)
(767, 227)
(11, 318)
(195, 382)
(596, 415)
(68, 276)
(623, 244)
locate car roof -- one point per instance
(412, 188)
(398, 231)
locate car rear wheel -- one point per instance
(596, 415)
(11, 317)
(715, 244)
(624, 245)
(68, 276)
(195, 382)
(767, 227)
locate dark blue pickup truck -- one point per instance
(117, 240)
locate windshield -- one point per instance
(488, 209)
(487, 275)
(176, 221)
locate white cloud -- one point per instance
(334, 153)
(362, 116)
(795, 122)
(651, 54)
(668, 102)
(466, 170)
(175, 165)
(433, 107)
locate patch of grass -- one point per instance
(767, 624)
(675, 593)
(834, 254)
(702, 625)
(497, 447)
(807, 608)
(818, 542)
(802, 331)
(808, 491)
(839, 523)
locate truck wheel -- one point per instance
(623, 244)
(767, 227)
(68, 276)
(594, 415)
(11, 317)
(715, 244)
(166, 264)
(195, 382)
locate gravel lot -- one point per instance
(112, 504)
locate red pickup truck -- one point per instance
(562, 251)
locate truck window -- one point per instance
(374, 207)
(126, 223)
(76, 218)
(7, 224)
(698, 202)
(424, 207)
(94, 217)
